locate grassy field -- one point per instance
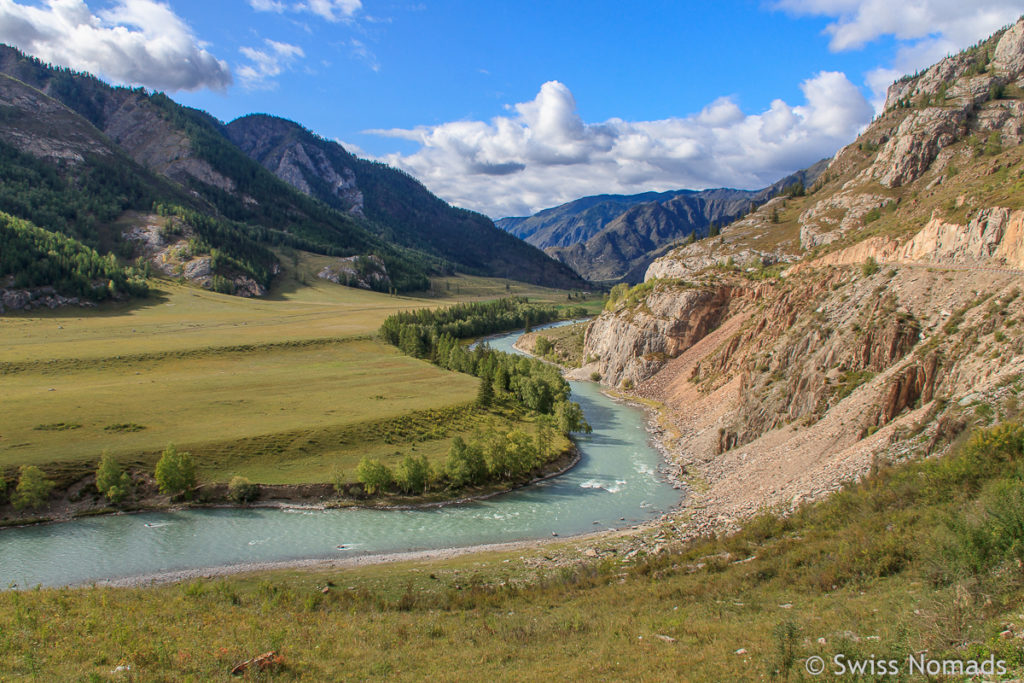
(921, 559)
(286, 389)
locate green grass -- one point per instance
(921, 557)
(288, 389)
(239, 407)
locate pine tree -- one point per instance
(485, 394)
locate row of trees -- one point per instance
(435, 335)
(494, 456)
(530, 383)
(463, 321)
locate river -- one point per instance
(615, 484)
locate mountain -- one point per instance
(134, 173)
(575, 221)
(615, 237)
(870, 321)
(398, 207)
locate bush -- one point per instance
(111, 480)
(543, 346)
(241, 490)
(175, 472)
(374, 476)
(870, 267)
(595, 376)
(33, 488)
(995, 533)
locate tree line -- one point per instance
(538, 387)
(37, 257)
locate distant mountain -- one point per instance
(576, 221)
(134, 173)
(615, 237)
(397, 207)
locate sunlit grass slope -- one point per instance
(286, 389)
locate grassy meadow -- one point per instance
(291, 388)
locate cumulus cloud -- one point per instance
(929, 29)
(135, 42)
(331, 10)
(543, 153)
(266, 63)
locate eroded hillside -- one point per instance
(874, 317)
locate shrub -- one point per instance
(175, 472)
(543, 346)
(374, 476)
(241, 490)
(111, 480)
(595, 376)
(994, 534)
(870, 267)
(33, 488)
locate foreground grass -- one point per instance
(923, 558)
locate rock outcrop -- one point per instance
(365, 272)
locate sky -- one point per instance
(510, 107)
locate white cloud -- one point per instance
(135, 42)
(543, 154)
(265, 64)
(929, 29)
(268, 6)
(364, 54)
(331, 10)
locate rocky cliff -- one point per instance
(872, 319)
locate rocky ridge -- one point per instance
(871, 320)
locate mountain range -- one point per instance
(131, 172)
(615, 237)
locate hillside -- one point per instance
(398, 207)
(872, 320)
(133, 173)
(615, 237)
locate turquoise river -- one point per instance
(615, 484)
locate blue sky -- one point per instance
(511, 107)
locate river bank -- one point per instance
(77, 502)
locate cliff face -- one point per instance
(865, 320)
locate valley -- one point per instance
(704, 435)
